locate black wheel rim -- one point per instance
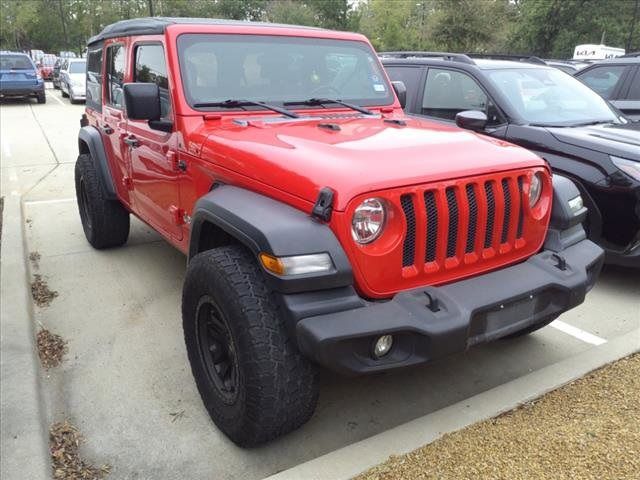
(84, 205)
(216, 349)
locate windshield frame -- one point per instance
(616, 117)
(388, 101)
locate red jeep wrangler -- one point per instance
(322, 225)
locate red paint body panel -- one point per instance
(290, 160)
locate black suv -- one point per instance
(538, 107)
(617, 80)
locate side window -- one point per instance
(410, 76)
(94, 78)
(448, 92)
(115, 75)
(603, 79)
(151, 67)
(634, 91)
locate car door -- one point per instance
(112, 124)
(448, 92)
(605, 80)
(153, 153)
(629, 98)
(412, 76)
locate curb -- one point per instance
(23, 437)
(353, 459)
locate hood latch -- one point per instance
(324, 205)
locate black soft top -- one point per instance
(157, 26)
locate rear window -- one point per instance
(48, 61)
(77, 67)
(15, 62)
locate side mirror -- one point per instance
(401, 92)
(142, 102)
(471, 120)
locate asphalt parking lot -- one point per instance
(126, 382)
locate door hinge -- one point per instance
(176, 163)
(178, 215)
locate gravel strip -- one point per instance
(589, 429)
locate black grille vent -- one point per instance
(506, 194)
(491, 212)
(520, 210)
(432, 226)
(408, 253)
(473, 218)
(452, 235)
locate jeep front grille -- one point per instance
(462, 222)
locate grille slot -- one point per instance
(452, 235)
(520, 210)
(491, 212)
(473, 218)
(432, 226)
(409, 246)
(506, 219)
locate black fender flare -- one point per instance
(263, 224)
(90, 141)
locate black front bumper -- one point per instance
(433, 322)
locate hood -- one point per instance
(354, 154)
(619, 140)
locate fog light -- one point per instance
(382, 346)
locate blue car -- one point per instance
(19, 77)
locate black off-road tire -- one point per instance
(277, 388)
(63, 93)
(42, 98)
(105, 222)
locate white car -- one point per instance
(73, 79)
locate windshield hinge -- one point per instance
(324, 205)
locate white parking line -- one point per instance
(57, 200)
(577, 333)
(57, 99)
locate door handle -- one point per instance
(131, 141)
(107, 129)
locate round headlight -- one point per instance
(368, 220)
(535, 189)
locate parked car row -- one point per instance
(580, 134)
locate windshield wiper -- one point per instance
(323, 101)
(232, 103)
(592, 122)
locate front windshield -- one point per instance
(77, 67)
(545, 96)
(278, 69)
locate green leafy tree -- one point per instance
(291, 12)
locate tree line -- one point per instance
(547, 28)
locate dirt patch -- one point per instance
(40, 291)
(34, 258)
(589, 429)
(51, 348)
(64, 443)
